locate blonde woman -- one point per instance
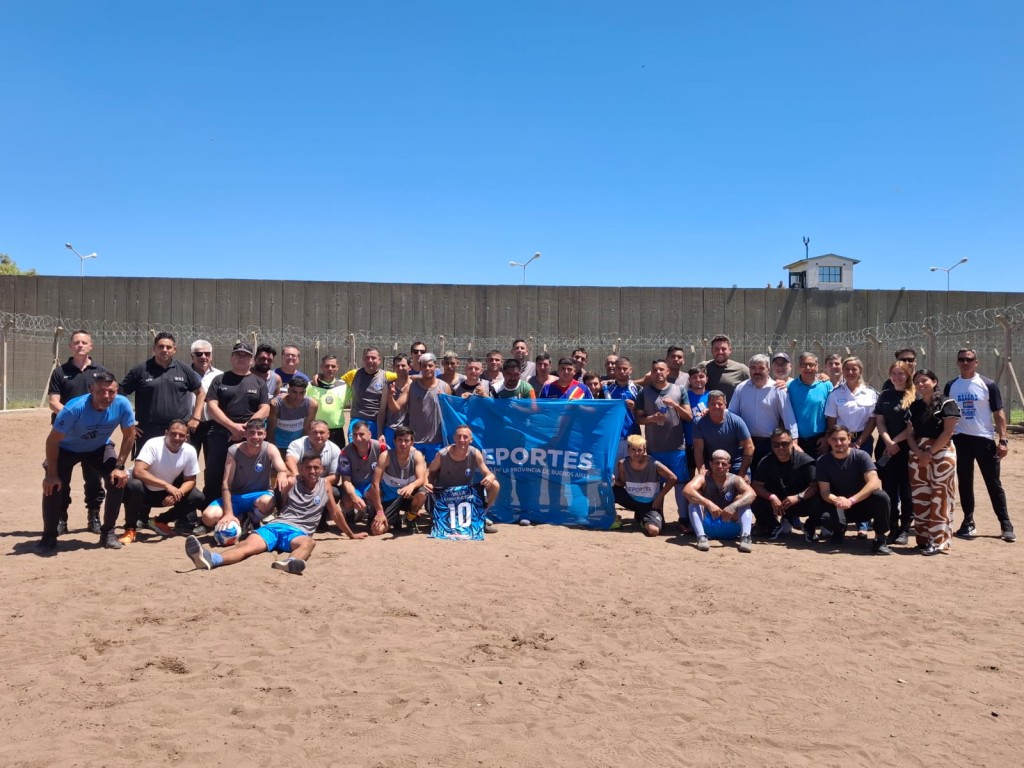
(933, 418)
(892, 415)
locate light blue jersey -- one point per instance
(459, 514)
(86, 429)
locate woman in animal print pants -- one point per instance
(932, 463)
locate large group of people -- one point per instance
(746, 449)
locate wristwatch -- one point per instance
(119, 465)
(1004, 442)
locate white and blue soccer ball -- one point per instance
(227, 532)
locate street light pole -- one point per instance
(524, 266)
(81, 258)
(947, 270)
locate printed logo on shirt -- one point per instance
(258, 467)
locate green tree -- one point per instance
(9, 267)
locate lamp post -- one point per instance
(81, 258)
(524, 266)
(947, 270)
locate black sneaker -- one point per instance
(965, 531)
(198, 554)
(46, 545)
(1008, 534)
(881, 548)
(94, 522)
(110, 541)
(900, 539)
(290, 565)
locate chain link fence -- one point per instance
(31, 344)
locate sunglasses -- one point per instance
(908, 359)
(967, 359)
(782, 445)
(202, 354)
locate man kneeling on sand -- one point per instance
(291, 532)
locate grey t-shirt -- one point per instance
(367, 390)
(670, 436)
(358, 469)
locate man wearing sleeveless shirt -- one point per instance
(462, 464)
(367, 386)
(421, 398)
(245, 490)
(292, 530)
(718, 497)
(291, 414)
(638, 486)
(399, 482)
(356, 466)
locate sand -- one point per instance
(541, 646)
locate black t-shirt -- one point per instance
(161, 394)
(888, 406)
(845, 477)
(239, 397)
(70, 381)
(928, 418)
(786, 478)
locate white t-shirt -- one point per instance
(977, 397)
(165, 465)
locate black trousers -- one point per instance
(624, 500)
(217, 443)
(895, 477)
(94, 493)
(762, 447)
(809, 445)
(970, 449)
(873, 509)
(139, 500)
(198, 438)
(764, 516)
(56, 504)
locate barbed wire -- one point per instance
(907, 333)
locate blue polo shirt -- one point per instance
(85, 429)
(808, 403)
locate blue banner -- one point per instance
(554, 458)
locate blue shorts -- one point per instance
(675, 461)
(279, 536)
(362, 488)
(429, 450)
(243, 503)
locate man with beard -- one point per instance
(724, 374)
(421, 398)
(261, 365)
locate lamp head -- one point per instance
(512, 264)
(68, 246)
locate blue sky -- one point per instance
(632, 143)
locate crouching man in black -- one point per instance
(850, 492)
(786, 488)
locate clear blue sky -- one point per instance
(632, 143)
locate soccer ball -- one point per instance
(226, 533)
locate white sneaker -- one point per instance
(702, 544)
(746, 545)
(782, 529)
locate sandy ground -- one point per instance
(541, 646)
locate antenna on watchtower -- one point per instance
(807, 247)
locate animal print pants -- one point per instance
(933, 492)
